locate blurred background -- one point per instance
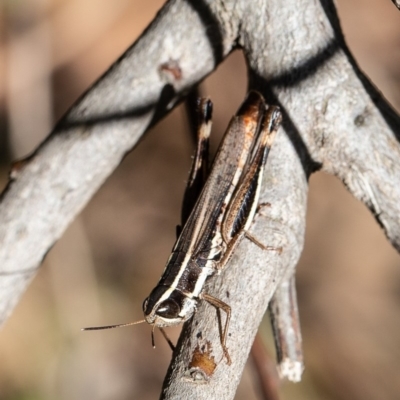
(112, 255)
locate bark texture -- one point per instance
(334, 120)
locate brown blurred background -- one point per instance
(112, 255)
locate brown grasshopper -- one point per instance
(221, 215)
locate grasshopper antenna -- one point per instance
(98, 328)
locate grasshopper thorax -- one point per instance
(166, 307)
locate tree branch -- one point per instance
(333, 119)
(47, 190)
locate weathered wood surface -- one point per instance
(334, 120)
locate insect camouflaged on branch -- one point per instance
(221, 215)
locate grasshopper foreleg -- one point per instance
(220, 305)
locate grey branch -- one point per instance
(396, 3)
(286, 329)
(334, 120)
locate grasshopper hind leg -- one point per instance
(223, 333)
(200, 166)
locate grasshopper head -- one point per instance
(167, 307)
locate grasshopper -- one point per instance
(220, 217)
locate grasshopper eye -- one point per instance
(168, 309)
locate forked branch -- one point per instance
(333, 120)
